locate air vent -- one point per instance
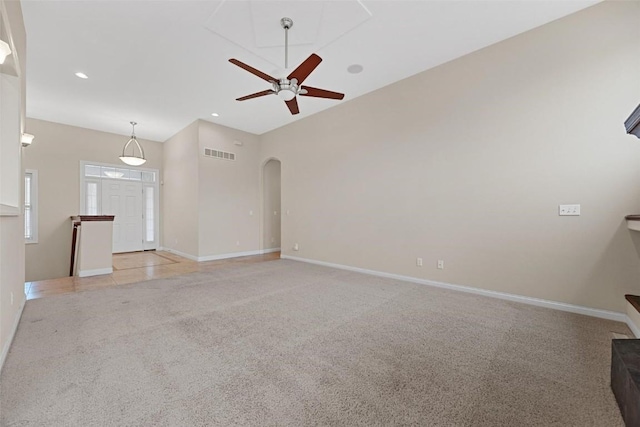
(219, 154)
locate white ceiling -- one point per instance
(165, 63)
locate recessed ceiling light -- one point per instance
(355, 68)
(82, 75)
(215, 114)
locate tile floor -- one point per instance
(135, 267)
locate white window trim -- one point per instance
(83, 196)
(34, 205)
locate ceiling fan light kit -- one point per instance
(287, 89)
(290, 87)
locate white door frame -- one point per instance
(156, 199)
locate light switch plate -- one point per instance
(569, 210)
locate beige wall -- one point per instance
(12, 295)
(468, 162)
(56, 154)
(211, 206)
(229, 198)
(180, 202)
(465, 163)
(11, 277)
(95, 248)
(271, 200)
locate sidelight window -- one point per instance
(31, 206)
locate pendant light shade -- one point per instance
(129, 156)
(5, 51)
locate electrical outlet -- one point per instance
(419, 262)
(296, 247)
(238, 243)
(440, 264)
(273, 240)
(11, 298)
(275, 213)
(569, 210)
(250, 213)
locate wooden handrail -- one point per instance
(93, 218)
(76, 225)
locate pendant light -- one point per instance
(131, 158)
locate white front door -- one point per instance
(124, 200)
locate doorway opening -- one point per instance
(131, 194)
(272, 218)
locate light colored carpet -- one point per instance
(291, 344)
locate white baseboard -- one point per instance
(221, 256)
(270, 251)
(594, 312)
(632, 326)
(229, 255)
(14, 329)
(182, 254)
(96, 272)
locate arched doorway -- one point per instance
(271, 225)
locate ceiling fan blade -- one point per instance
(293, 105)
(257, 94)
(253, 71)
(321, 93)
(304, 69)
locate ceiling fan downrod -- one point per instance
(286, 23)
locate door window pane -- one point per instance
(148, 176)
(122, 173)
(148, 215)
(92, 198)
(30, 206)
(109, 173)
(91, 170)
(28, 228)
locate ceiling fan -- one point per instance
(290, 87)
